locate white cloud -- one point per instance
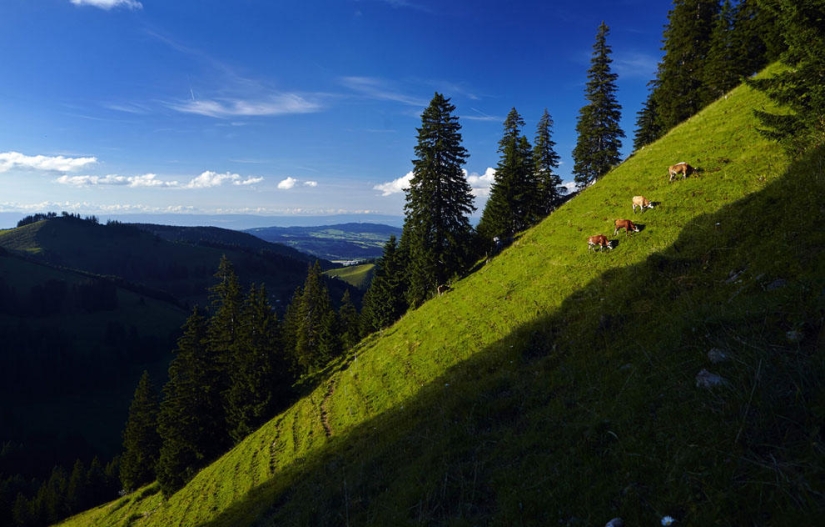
(395, 186)
(381, 90)
(287, 183)
(248, 181)
(109, 4)
(481, 184)
(210, 179)
(207, 179)
(281, 104)
(146, 180)
(12, 160)
(310, 183)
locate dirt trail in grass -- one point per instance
(274, 449)
(324, 412)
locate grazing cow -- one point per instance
(443, 288)
(641, 202)
(600, 241)
(680, 168)
(627, 225)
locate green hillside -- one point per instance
(359, 276)
(558, 386)
(180, 268)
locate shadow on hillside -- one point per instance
(592, 411)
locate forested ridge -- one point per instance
(241, 360)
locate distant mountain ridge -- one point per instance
(347, 241)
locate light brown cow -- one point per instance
(600, 241)
(641, 202)
(627, 225)
(680, 168)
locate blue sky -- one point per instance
(287, 107)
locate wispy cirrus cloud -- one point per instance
(636, 65)
(277, 104)
(481, 116)
(16, 160)
(382, 90)
(109, 4)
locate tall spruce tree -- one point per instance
(512, 201)
(438, 204)
(311, 323)
(799, 88)
(384, 301)
(757, 36)
(546, 161)
(349, 321)
(191, 418)
(259, 378)
(648, 127)
(687, 38)
(226, 301)
(721, 71)
(599, 133)
(141, 442)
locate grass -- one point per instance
(358, 276)
(557, 385)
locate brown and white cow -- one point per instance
(641, 202)
(600, 241)
(627, 225)
(680, 168)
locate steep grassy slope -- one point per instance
(556, 386)
(359, 276)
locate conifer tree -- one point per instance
(799, 88)
(546, 160)
(599, 133)
(312, 317)
(687, 38)
(757, 37)
(226, 304)
(191, 418)
(350, 322)
(141, 442)
(384, 301)
(438, 204)
(648, 127)
(721, 71)
(77, 492)
(259, 377)
(513, 193)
